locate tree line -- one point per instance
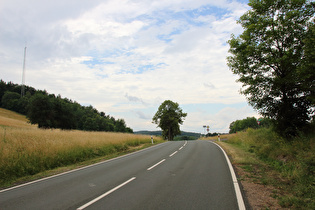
(249, 122)
(51, 111)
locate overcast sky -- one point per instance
(125, 57)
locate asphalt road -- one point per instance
(173, 175)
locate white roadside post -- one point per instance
(219, 137)
(151, 139)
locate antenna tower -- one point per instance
(23, 75)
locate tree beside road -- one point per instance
(168, 117)
(273, 58)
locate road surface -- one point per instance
(173, 175)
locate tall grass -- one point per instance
(12, 119)
(27, 151)
(294, 160)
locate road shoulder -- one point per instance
(249, 170)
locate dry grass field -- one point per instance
(12, 119)
(26, 150)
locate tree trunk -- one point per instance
(169, 134)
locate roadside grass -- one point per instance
(287, 166)
(26, 150)
(214, 138)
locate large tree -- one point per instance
(272, 59)
(41, 111)
(168, 117)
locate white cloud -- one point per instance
(124, 57)
(218, 121)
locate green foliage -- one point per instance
(41, 111)
(295, 161)
(168, 117)
(249, 122)
(49, 111)
(306, 71)
(10, 100)
(240, 125)
(212, 134)
(274, 58)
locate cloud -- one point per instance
(109, 53)
(135, 99)
(142, 115)
(218, 121)
(209, 85)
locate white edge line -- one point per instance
(173, 153)
(156, 164)
(105, 194)
(239, 197)
(78, 169)
(181, 148)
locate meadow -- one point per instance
(26, 150)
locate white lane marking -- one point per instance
(156, 164)
(173, 153)
(239, 197)
(183, 145)
(105, 194)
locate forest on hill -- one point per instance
(51, 111)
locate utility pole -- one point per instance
(23, 74)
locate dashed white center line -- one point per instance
(156, 164)
(126, 182)
(173, 153)
(105, 194)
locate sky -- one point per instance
(126, 57)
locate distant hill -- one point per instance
(152, 133)
(184, 134)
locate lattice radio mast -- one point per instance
(23, 75)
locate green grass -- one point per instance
(291, 163)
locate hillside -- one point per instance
(51, 111)
(13, 119)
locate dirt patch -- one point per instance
(258, 195)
